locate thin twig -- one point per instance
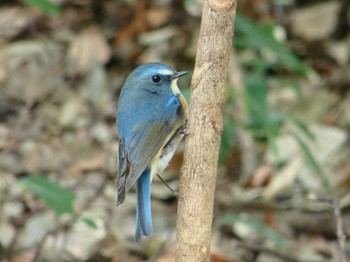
(341, 237)
(340, 230)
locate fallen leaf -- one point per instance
(27, 256)
(166, 258)
(284, 180)
(88, 48)
(217, 256)
(262, 175)
(14, 20)
(157, 17)
(314, 17)
(137, 25)
(84, 165)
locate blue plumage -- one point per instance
(151, 115)
(143, 205)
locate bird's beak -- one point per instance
(178, 74)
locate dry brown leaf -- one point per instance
(316, 21)
(283, 181)
(262, 175)
(166, 258)
(136, 26)
(27, 256)
(217, 256)
(85, 164)
(13, 20)
(156, 17)
(88, 48)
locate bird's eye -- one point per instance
(156, 79)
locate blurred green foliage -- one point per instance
(89, 221)
(269, 55)
(46, 6)
(227, 141)
(249, 34)
(56, 197)
(312, 162)
(268, 60)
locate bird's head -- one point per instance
(155, 78)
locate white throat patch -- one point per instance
(174, 87)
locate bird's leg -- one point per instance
(174, 192)
(183, 130)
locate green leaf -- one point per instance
(251, 35)
(283, 54)
(59, 199)
(274, 122)
(227, 138)
(272, 128)
(230, 220)
(255, 99)
(89, 221)
(302, 126)
(46, 6)
(273, 146)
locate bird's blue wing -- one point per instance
(122, 167)
(149, 137)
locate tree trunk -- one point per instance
(205, 123)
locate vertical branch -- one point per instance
(205, 123)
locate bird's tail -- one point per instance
(143, 206)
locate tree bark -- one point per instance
(205, 124)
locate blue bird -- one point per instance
(151, 121)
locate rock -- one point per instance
(71, 113)
(36, 228)
(78, 243)
(88, 48)
(7, 233)
(36, 64)
(101, 132)
(317, 21)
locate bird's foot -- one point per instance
(175, 193)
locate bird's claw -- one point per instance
(175, 193)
